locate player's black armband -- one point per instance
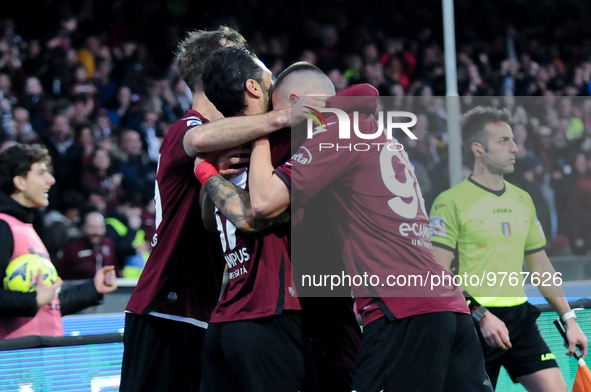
(476, 309)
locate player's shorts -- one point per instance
(331, 376)
(160, 355)
(529, 352)
(332, 327)
(267, 354)
(429, 352)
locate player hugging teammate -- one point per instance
(260, 336)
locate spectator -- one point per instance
(124, 229)
(77, 156)
(138, 174)
(100, 174)
(33, 101)
(81, 83)
(57, 141)
(61, 225)
(83, 257)
(125, 112)
(579, 205)
(151, 132)
(106, 87)
(23, 130)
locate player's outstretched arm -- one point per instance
(540, 263)
(269, 195)
(232, 201)
(234, 131)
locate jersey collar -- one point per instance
(496, 193)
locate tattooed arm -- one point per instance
(234, 203)
(207, 211)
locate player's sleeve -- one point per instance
(444, 223)
(316, 165)
(536, 240)
(284, 174)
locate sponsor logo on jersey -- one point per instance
(303, 156)
(438, 206)
(417, 229)
(506, 226)
(240, 256)
(237, 272)
(437, 226)
(501, 210)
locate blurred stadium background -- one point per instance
(77, 75)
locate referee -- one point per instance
(490, 225)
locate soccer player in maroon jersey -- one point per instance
(255, 339)
(329, 323)
(171, 306)
(414, 339)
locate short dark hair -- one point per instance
(296, 67)
(224, 78)
(474, 126)
(195, 49)
(18, 160)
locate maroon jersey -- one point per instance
(80, 259)
(182, 278)
(378, 213)
(258, 264)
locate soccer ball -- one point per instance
(21, 274)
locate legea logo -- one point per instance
(391, 122)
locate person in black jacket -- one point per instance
(24, 184)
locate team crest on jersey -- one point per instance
(437, 226)
(506, 228)
(192, 121)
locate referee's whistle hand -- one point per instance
(495, 331)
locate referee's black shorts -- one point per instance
(267, 354)
(429, 352)
(529, 352)
(160, 355)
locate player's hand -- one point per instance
(576, 337)
(495, 331)
(47, 293)
(296, 113)
(105, 280)
(204, 156)
(232, 157)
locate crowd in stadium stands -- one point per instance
(100, 96)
